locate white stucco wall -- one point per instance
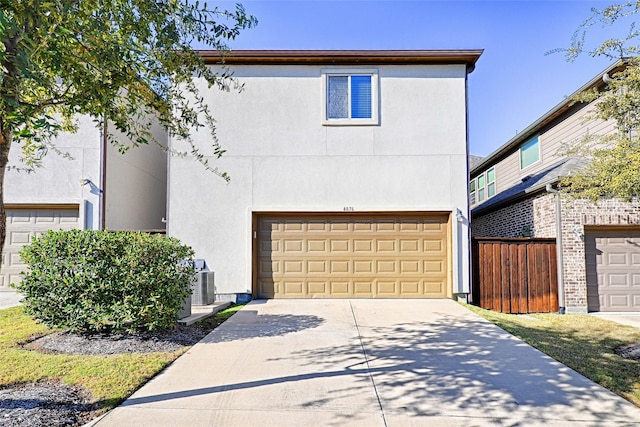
(281, 158)
(58, 180)
(136, 184)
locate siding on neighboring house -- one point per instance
(566, 132)
(552, 140)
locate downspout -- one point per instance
(556, 194)
(467, 236)
(103, 183)
(165, 220)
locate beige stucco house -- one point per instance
(348, 176)
(513, 194)
(95, 188)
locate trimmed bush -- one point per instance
(97, 281)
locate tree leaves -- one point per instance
(613, 48)
(612, 172)
(612, 161)
(122, 61)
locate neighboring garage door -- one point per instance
(613, 269)
(352, 256)
(22, 224)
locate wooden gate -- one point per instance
(516, 275)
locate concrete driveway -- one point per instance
(367, 363)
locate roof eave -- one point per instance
(342, 57)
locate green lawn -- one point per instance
(585, 343)
(110, 379)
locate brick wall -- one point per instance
(535, 217)
(532, 217)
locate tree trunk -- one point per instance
(5, 145)
(10, 96)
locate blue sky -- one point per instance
(514, 82)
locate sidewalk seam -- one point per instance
(366, 361)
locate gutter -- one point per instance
(561, 301)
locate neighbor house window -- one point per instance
(350, 97)
(491, 182)
(529, 153)
(482, 187)
(472, 192)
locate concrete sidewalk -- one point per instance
(367, 363)
(9, 299)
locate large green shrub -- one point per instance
(97, 281)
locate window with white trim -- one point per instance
(491, 183)
(482, 187)
(350, 97)
(529, 153)
(472, 192)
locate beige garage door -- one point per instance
(353, 256)
(613, 269)
(22, 225)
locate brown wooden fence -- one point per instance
(515, 275)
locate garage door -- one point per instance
(613, 269)
(22, 225)
(353, 256)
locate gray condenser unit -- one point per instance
(204, 289)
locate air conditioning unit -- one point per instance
(203, 291)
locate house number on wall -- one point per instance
(348, 209)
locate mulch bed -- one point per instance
(47, 403)
(629, 351)
(103, 344)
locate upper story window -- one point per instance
(491, 182)
(472, 192)
(482, 187)
(350, 97)
(529, 153)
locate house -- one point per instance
(513, 193)
(95, 188)
(348, 176)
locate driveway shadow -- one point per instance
(469, 367)
(454, 366)
(248, 324)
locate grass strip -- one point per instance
(586, 344)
